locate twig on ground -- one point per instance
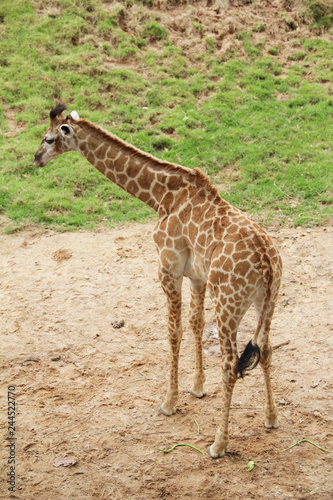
(281, 345)
(181, 444)
(307, 441)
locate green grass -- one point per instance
(260, 131)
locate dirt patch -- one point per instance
(87, 393)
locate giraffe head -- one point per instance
(59, 137)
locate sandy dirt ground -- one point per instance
(87, 393)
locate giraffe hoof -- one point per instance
(272, 425)
(212, 454)
(160, 409)
(198, 395)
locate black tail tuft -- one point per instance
(249, 358)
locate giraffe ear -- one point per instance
(74, 115)
(65, 130)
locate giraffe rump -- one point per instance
(249, 359)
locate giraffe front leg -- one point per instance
(172, 288)
(197, 322)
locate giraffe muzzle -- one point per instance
(38, 161)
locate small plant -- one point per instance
(321, 12)
(297, 56)
(104, 27)
(259, 27)
(106, 49)
(273, 50)
(210, 44)
(154, 31)
(199, 27)
(161, 143)
(251, 50)
(290, 23)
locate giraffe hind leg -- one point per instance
(271, 413)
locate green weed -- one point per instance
(154, 31)
(273, 50)
(321, 12)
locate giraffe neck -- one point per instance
(155, 182)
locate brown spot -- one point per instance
(229, 249)
(232, 229)
(131, 170)
(100, 153)
(168, 255)
(100, 166)
(145, 197)
(132, 187)
(122, 179)
(232, 324)
(252, 278)
(84, 148)
(228, 265)
(159, 238)
(179, 243)
(110, 175)
(242, 268)
(240, 245)
(158, 191)
(197, 214)
(241, 255)
(175, 182)
(271, 252)
(254, 258)
(113, 153)
(201, 240)
(145, 180)
(200, 199)
(174, 227)
(237, 282)
(206, 226)
(185, 214)
(91, 158)
(230, 308)
(192, 231)
(168, 201)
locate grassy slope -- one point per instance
(258, 125)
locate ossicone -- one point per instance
(57, 111)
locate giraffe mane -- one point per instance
(194, 174)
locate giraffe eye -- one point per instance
(49, 141)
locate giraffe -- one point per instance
(200, 236)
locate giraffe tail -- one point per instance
(248, 359)
(251, 354)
